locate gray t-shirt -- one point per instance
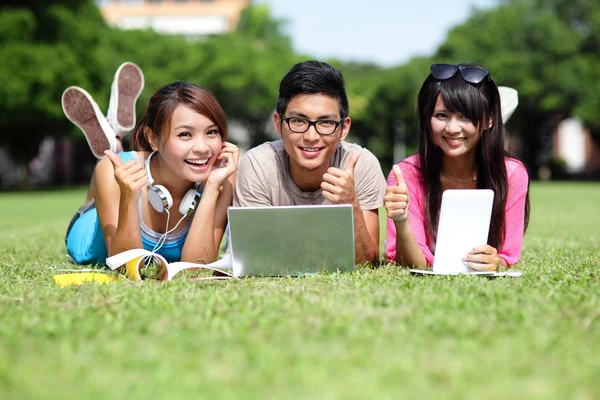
(263, 178)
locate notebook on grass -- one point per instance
(464, 222)
(270, 241)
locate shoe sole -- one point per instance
(80, 111)
(130, 83)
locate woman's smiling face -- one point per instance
(192, 145)
(453, 132)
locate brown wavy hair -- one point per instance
(162, 104)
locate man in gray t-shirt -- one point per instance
(312, 164)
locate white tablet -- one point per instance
(489, 274)
(464, 223)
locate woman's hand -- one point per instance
(483, 258)
(225, 165)
(396, 198)
(130, 177)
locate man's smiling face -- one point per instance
(310, 152)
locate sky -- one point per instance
(385, 32)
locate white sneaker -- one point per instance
(125, 90)
(82, 110)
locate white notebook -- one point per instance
(464, 222)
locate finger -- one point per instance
(337, 172)
(333, 199)
(141, 182)
(395, 196)
(399, 215)
(229, 149)
(333, 179)
(138, 175)
(232, 152)
(484, 249)
(480, 267)
(114, 159)
(230, 161)
(137, 184)
(328, 187)
(396, 205)
(352, 163)
(223, 160)
(236, 156)
(131, 166)
(481, 258)
(396, 213)
(398, 175)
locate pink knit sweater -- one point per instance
(514, 217)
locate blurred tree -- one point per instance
(582, 77)
(362, 81)
(244, 68)
(45, 47)
(241, 68)
(548, 51)
(162, 58)
(390, 112)
(48, 46)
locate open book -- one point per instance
(134, 260)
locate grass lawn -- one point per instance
(376, 333)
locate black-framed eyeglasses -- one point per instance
(470, 73)
(322, 126)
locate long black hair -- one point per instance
(480, 103)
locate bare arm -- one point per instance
(408, 251)
(117, 189)
(203, 240)
(366, 235)
(338, 187)
(206, 231)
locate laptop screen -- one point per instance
(295, 240)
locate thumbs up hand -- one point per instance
(338, 184)
(130, 176)
(396, 198)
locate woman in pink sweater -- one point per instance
(461, 146)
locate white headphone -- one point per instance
(161, 200)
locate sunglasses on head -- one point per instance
(469, 73)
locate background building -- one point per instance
(191, 18)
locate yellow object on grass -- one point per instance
(64, 280)
(132, 269)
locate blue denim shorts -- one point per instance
(84, 239)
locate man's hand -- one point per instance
(338, 184)
(396, 198)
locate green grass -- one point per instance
(376, 333)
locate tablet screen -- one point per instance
(464, 223)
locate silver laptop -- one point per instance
(291, 241)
